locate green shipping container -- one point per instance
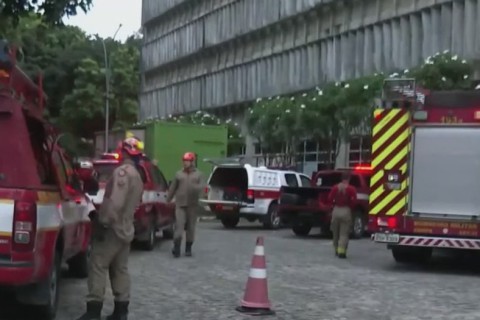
(166, 143)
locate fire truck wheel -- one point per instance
(302, 230)
(272, 220)
(50, 287)
(230, 222)
(78, 265)
(411, 254)
(358, 225)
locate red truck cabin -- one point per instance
(426, 176)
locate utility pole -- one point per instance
(107, 87)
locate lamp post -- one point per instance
(107, 87)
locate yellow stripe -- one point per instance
(384, 121)
(387, 200)
(48, 197)
(375, 194)
(5, 234)
(401, 138)
(377, 144)
(401, 203)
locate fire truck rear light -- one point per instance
(476, 115)
(22, 237)
(23, 226)
(420, 115)
(391, 222)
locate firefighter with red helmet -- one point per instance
(113, 231)
(186, 187)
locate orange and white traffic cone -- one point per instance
(255, 301)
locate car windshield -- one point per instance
(105, 170)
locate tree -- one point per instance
(52, 10)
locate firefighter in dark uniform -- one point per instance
(343, 197)
(186, 188)
(112, 233)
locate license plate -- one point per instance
(386, 237)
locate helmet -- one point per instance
(189, 156)
(132, 146)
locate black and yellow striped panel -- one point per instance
(390, 151)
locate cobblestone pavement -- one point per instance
(305, 281)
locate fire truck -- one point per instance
(425, 187)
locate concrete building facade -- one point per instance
(219, 55)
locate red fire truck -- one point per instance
(426, 181)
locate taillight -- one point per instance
(250, 195)
(24, 226)
(206, 190)
(390, 222)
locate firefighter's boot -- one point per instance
(94, 311)
(176, 248)
(120, 312)
(188, 249)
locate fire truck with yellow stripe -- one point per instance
(425, 187)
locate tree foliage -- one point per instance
(339, 110)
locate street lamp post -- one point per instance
(107, 87)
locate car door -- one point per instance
(67, 207)
(80, 218)
(304, 180)
(166, 211)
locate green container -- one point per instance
(166, 143)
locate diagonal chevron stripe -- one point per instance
(390, 150)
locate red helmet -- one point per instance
(132, 146)
(189, 156)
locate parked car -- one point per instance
(305, 208)
(242, 191)
(153, 214)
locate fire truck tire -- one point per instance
(151, 236)
(78, 265)
(358, 225)
(51, 288)
(230, 222)
(272, 220)
(411, 254)
(302, 230)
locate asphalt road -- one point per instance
(305, 281)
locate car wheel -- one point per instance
(230, 222)
(51, 289)
(358, 225)
(302, 229)
(272, 220)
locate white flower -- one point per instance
(477, 87)
(231, 136)
(365, 87)
(337, 84)
(170, 115)
(464, 61)
(347, 86)
(258, 100)
(199, 111)
(278, 118)
(437, 54)
(278, 97)
(406, 71)
(203, 124)
(320, 93)
(314, 99)
(465, 77)
(292, 98)
(455, 58)
(269, 98)
(228, 121)
(446, 51)
(393, 75)
(444, 79)
(287, 111)
(239, 135)
(251, 111)
(235, 124)
(317, 88)
(303, 106)
(304, 95)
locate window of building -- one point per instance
(360, 150)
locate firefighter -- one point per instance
(112, 234)
(343, 196)
(186, 188)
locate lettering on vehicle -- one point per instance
(450, 119)
(464, 229)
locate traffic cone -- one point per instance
(255, 301)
